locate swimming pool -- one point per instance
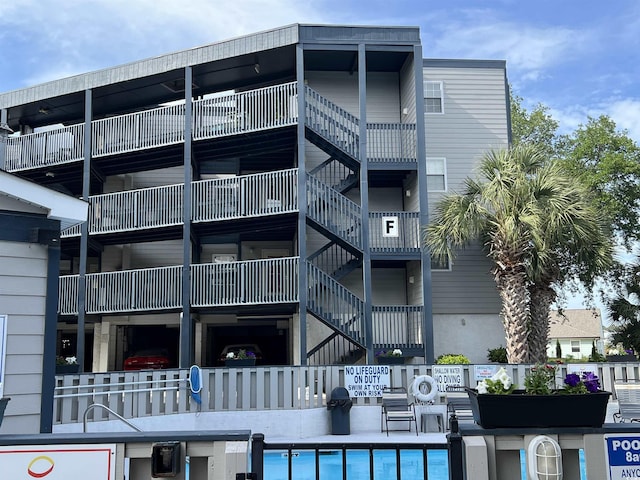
(361, 464)
(356, 464)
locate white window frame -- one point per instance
(430, 93)
(442, 269)
(575, 346)
(443, 162)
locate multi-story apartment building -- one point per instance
(268, 190)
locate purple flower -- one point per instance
(572, 379)
(591, 381)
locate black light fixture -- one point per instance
(165, 459)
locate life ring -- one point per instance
(417, 388)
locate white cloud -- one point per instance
(529, 50)
(626, 114)
(88, 35)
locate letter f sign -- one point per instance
(389, 226)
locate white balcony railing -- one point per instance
(260, 109)
(53, 147)
(245, 196)
(137, 131)
(213, 284)
(253, 195)
(223, 115)
(136, 209)
(68, 289)
(243, 283)
(134, 290)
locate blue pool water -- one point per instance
(330, 463)
(303, 465)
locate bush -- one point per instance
(452, 359)
(497, 355)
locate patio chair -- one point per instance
(628, 394)
(458, 403)
(396, 408)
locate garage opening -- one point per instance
(155, 341)
(272, 341)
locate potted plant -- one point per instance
(621, 355)
(497, 403)
(243, 358)
(390, 357)
(66, 365)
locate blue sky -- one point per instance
(579, 57)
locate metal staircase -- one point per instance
(330, 212)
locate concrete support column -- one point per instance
(198, 341)
(228, 459)
(476, 458)
(102, 351)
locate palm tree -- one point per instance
(575, 245)
(522, 210)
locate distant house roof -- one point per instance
(576, 324)
(19, 194)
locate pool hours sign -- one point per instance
(623, 456)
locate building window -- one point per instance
(436, 174)
(441, 265)
(433, 97)
(575, 346)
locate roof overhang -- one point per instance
(56, 205)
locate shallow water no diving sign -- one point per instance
(622, 455)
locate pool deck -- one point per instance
(395, 436)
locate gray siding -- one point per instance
(475, 118)
(23, 269)
(468, 287)
(383, 96)
(408, 91)
(474, 121)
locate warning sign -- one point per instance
(366, 380)
(447, 375)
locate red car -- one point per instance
(150, 359)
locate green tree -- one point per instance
(536, 127)
(521, 208)
(608, 162)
